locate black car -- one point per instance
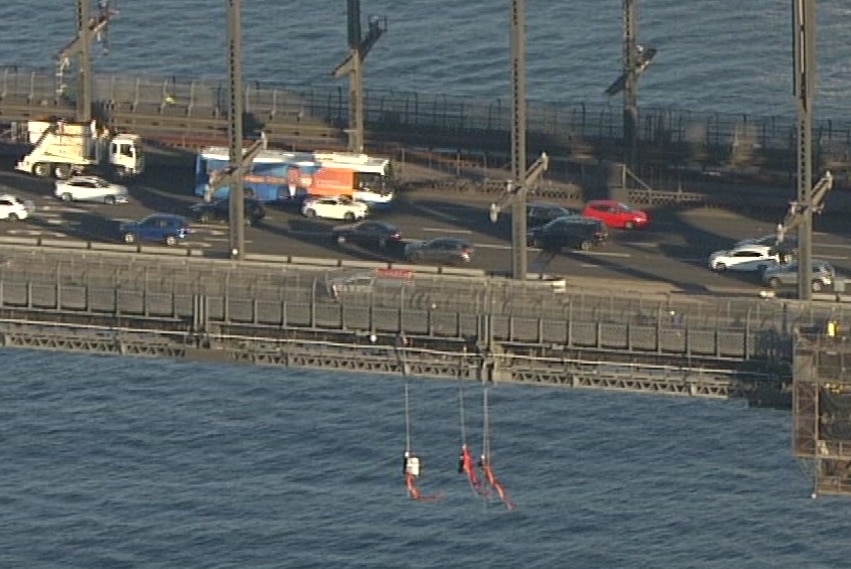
(368, 233)
(570, 231)
(540, 213)
(219, 211)
(442, 250)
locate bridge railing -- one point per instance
(682, 137)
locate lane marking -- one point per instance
(442, 230)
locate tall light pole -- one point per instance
(88, 30)
(235, 110)
(518, 139)
(804, 32)
(352, 65)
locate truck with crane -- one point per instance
(63, 149)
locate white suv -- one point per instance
(12, 208)
(90, 188)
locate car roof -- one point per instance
(546, 205)
(574, 220)
(9, 197)
(170, 216)
(87, 177)
(751, 247)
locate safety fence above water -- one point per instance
(316, 114)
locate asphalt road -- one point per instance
(673, 250)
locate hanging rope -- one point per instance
(407, 418)
(412, 463)
(466, 464)
(485, 463)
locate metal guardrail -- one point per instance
(580, 129)
(268, 296)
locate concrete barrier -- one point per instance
(167, 251)
(462, 272)
(27, 241)
(114, 247)
(364, 264)
(258, 257)
(63, 243)
(316, 262)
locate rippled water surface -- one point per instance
(118, 462)
(714, 55)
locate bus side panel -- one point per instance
(333, 182)
(267, 181)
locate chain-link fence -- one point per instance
(272, 296)
(678, 137)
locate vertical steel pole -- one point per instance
(84, 70)
(630, 70)
(236, 205)
(804, 30)
(355, 79)
(518, 138)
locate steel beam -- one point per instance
(804, 31)
(235, 134)
(518, 139)
(630, 71)
(352, 66)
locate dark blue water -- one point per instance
(118, 462)
(714, 55)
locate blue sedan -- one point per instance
(159, 227)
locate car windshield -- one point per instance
(623, 207)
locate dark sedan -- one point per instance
(443, 251)
(541, 213)
(368, 233)
(219, 211)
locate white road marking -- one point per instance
(592, 253)
(445, 230)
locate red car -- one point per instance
(615, 214)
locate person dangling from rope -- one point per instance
(413, 469)
(493, 481)
(485, 462)
(412, 463)
(466, 465)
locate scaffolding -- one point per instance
(822, 408)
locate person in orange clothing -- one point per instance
(493, 482)
(466, 466)
(413, 468)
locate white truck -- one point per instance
(63, 149)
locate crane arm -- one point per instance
(96, 25)
(533, 174)
(376, 30)
(226, 177)
(796, 212)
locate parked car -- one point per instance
(339, 207)
(540, 213)
(158, 227)
(442, 250)
(13, 208)
(368, 233)
(616, 214)
(90, 189)
(571, 231)
(744, 258)
(219, 211)
(383, 281)
(787, 275)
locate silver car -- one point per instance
(90, 189)
(777, 276)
